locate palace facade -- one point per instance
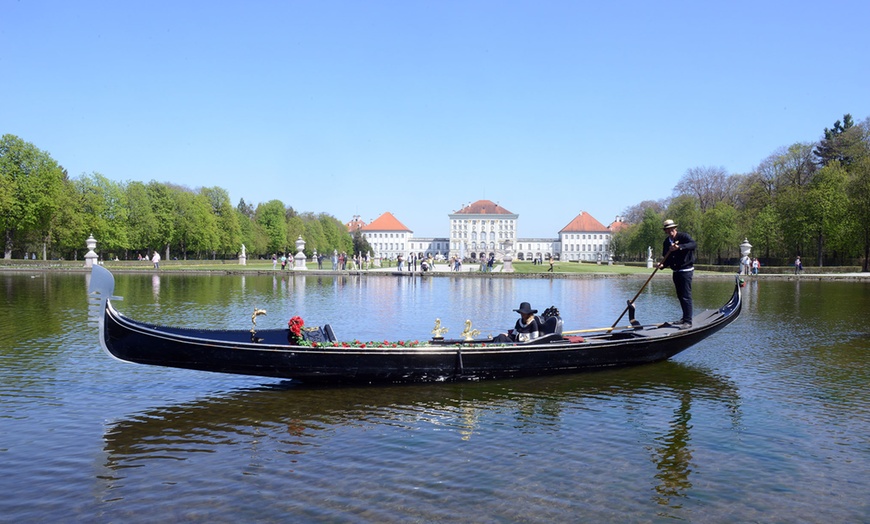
(484, 228)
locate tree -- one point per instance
(252, 234)
(719, 230)
(360, 244)
(69, 226)
(103, 203)
(163, 208)
(764, 230)
(270, 217)
(636, 213)
(859, 207)
(313, 235)
(826, 207)
(228, 229)
(795, 228)
(838, 142)
(245, 209)
(647, 234)
(142, 217)
(708, 185)
(195, 228)
(31, 181)
(685, 211)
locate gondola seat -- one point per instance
(319, 334)
(553, 325)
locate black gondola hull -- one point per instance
(269, 353)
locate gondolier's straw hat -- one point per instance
(668, 224)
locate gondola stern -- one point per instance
(100, 289)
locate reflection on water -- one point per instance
(673, 455)
(303, 422)
(767, 421)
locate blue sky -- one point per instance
(420, 107)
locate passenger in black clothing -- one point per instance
(679, 252)
(528, 326)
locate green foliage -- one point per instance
(295, 229)
(142, 218)
(360, 244)
(859, 208)
(685, 211)
(649, 235)
(804, 196)
(826, 208)
(105, 203)
(764, 231)
(718, 233)
(195, 224)
(314, 236)
(270, 217)
(229, 232)
(163, 209)
(838, 143)
(31, 182)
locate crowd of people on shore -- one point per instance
(749, 265)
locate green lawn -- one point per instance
(575, 267)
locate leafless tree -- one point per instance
(708, 184)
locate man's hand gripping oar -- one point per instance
(630, 306)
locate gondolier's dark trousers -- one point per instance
(683, 285)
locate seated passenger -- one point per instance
(528, 326)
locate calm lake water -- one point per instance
(766, 421)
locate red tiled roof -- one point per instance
(385, 222)
(617, 226)
(483, 207)
(584, 223)
(355, 224)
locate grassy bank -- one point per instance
(521, 268)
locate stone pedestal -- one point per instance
(299, 258)
(91, 257)
(508, 266)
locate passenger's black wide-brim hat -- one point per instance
(526, 309)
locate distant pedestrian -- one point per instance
(798, 266)
(156, 260)
(745, 265)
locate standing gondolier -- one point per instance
(678, 250)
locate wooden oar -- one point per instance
(630, 302)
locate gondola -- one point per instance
(317, 356)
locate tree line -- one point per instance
(45, 212)
(809, 199)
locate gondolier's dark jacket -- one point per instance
(684, 258)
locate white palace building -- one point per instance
(485, 228)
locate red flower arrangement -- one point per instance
(296, 324)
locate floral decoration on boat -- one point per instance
(363, 345)
(296, 324)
